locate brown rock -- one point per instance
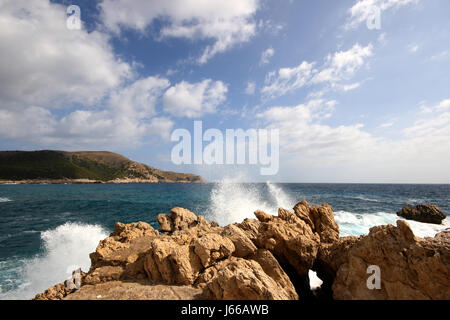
(291, 240)
(262, 216)
(165, 222)
(250, 227)
(213, 247)
(411, 268)
(243, 245)
(182, 218)
(137, 290)
(57, 292)
(423, 213)
(241, 279)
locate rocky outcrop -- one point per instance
(423, 213)
(410, 268)
(264, 258)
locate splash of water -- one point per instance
(66, 248)
(232, 201)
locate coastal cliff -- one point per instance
(267, 258)
(59, 167)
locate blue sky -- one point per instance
(352, 104)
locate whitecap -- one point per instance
(66, 248)
(5, 199)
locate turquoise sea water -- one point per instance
(46, 231)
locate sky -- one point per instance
(354, 102)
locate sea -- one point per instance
(46, 231)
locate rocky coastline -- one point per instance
(89, 181)
(267, 258)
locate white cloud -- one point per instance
(363, 10)
(344, 64)
(266, 55)
(338, 67)
(320, 152)
(45, 66)
(226, 22)
(126, 120)
(251, 87)
(42, 61)
(193, 100)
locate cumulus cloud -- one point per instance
(340, 66)
(42, 61)
(125, 121)
(347, 151)
(193, 100)
(363, 10)
(225, 22)
(66, 88)
(266, 55)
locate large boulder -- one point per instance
(423, 213)
(410, 268)
(294, 237)
(241, 279)
(179, 219)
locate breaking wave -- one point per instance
(5, 200)
(66, 248)
(232, 202)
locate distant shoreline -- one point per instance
(87, 181)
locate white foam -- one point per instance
(232, 201)
(66, 248)
(5, 200)
(356, 224)
(314, 281)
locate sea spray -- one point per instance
(356, 224)
(66, 248)
(232, 201)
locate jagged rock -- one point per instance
(324, 223)
(241, 279)
(423, 213)
(320, 219)
(262, 216)
(242, 243)
(411, 268)
(329, 258)
(172, 261)
(250, 227)
(290, 239)
(213, 247)
(179, 219)
(165, 222)
(127, 232)
(273, 269)
(267, 258)
(57, 292)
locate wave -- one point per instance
(5, 200)
(66, 248)
(356, 224)
(232, 202)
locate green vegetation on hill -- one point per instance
(103, 166)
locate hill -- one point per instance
(85, 166)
